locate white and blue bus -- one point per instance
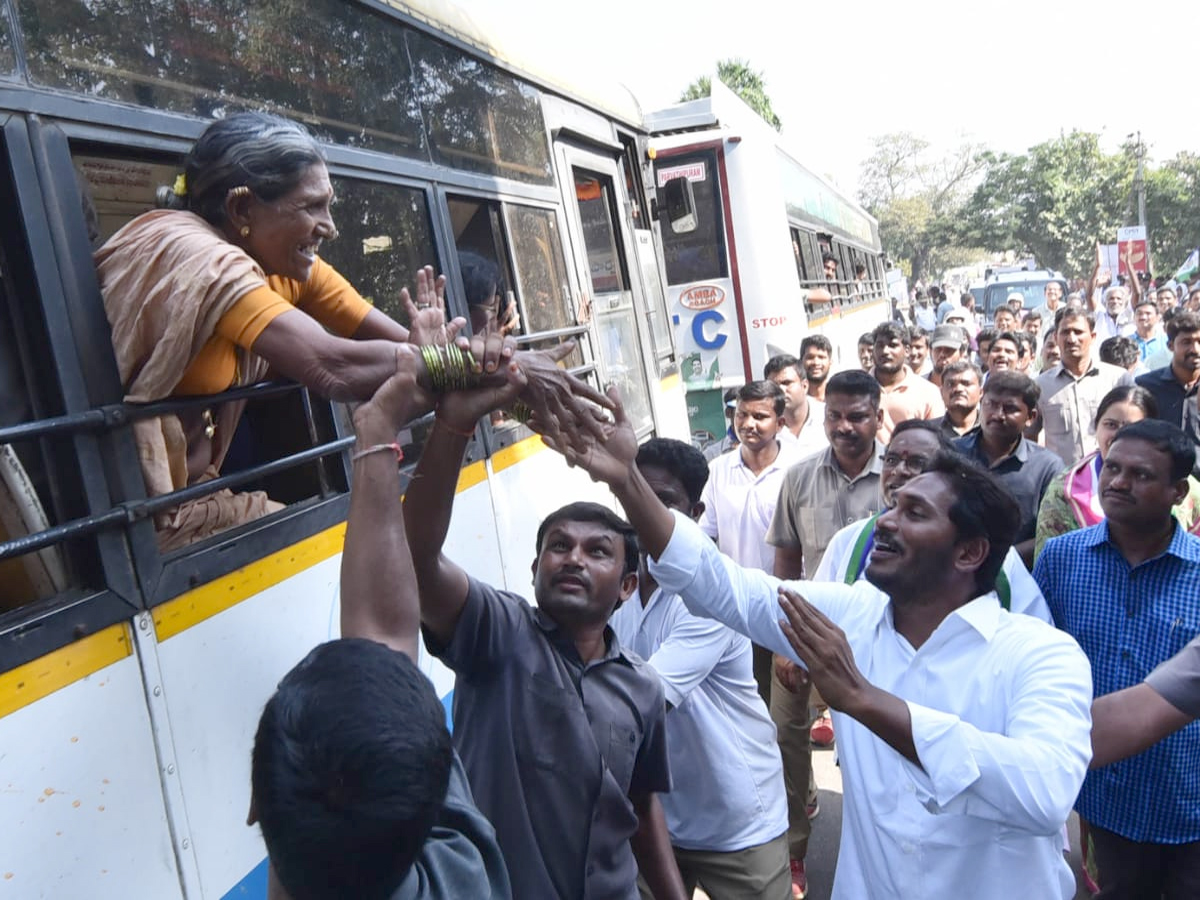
(131, 681)
(746, 280)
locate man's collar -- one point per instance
(556, 634)
(982, 614)
(874, 467)
(1180, 545)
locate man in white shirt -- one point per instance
(964, 730)
(803, 416)
(914, 445)
(726, 812)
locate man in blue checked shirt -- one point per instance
(1128, 590)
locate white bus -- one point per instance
(742, 283)
(131, 681)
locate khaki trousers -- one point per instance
(792, 718)
(756, 873)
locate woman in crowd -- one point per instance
(225, 286)
(1072, 500)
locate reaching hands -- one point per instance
(823, 648)
(397, 401)
(605, 450)
(428, 315)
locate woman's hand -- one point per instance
(398, 401)
(427, 317)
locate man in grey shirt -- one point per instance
(562, 733)
(354, 779)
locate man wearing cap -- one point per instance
(947, 344)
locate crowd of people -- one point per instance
(972, 564)
(644, 727)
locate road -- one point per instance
(823, 845)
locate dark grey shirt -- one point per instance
(460, 858)
(1025, 474)
(1178, 679)
(553, 747)
(1176, 404)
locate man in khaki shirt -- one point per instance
(820, 494)
(1072, 389)
(905, 394)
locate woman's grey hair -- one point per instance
(265, 153)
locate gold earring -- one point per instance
(240, 191)
(245, 231)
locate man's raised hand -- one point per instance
(605, 450)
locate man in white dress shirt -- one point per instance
(914, 445)
(964, 730)
(803, 415)
(726, 813)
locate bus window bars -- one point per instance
(107, 418)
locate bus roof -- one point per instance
(569, 70)
(725, 116)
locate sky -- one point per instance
(1008, 76)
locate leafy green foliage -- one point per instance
(917, 198)
(744, 81)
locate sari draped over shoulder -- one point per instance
(1072, 500)
(167, 279)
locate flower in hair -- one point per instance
(180, 187)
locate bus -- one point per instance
(746, 275)
(131, 681)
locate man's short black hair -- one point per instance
(854, 383)
(1013, 337)
(1184, 322)
(957, 368)
(827, 257)
(860, 269)
(926, 425)
(585, 511)
(682, 460)
(1168, 438)
(982, 508)
(1074, 312)
(891, 331)
(917, 333)
(866, 339)
(349, 771)
(1119, 350)
(816, 340)
(782, 361)
(765, 390)
(1016, 384)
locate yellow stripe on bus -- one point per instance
(670, 383)
(43, 676)
(474, 474)
(206, 601)
(514, 453)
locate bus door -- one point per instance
(608, 296)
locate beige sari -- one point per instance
(167, 278)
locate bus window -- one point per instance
(611, 298)
(697, 255)
(8, 59)
(541, 274)
(342, 69)
(479, 118)
(384, 237)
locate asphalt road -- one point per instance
(823, 845)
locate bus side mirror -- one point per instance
(680, 203)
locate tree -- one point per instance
(917, 198)
(1055, 201)
(744, 81)
(1172, 216)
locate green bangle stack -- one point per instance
(450, 367)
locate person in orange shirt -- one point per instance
(225, 284)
